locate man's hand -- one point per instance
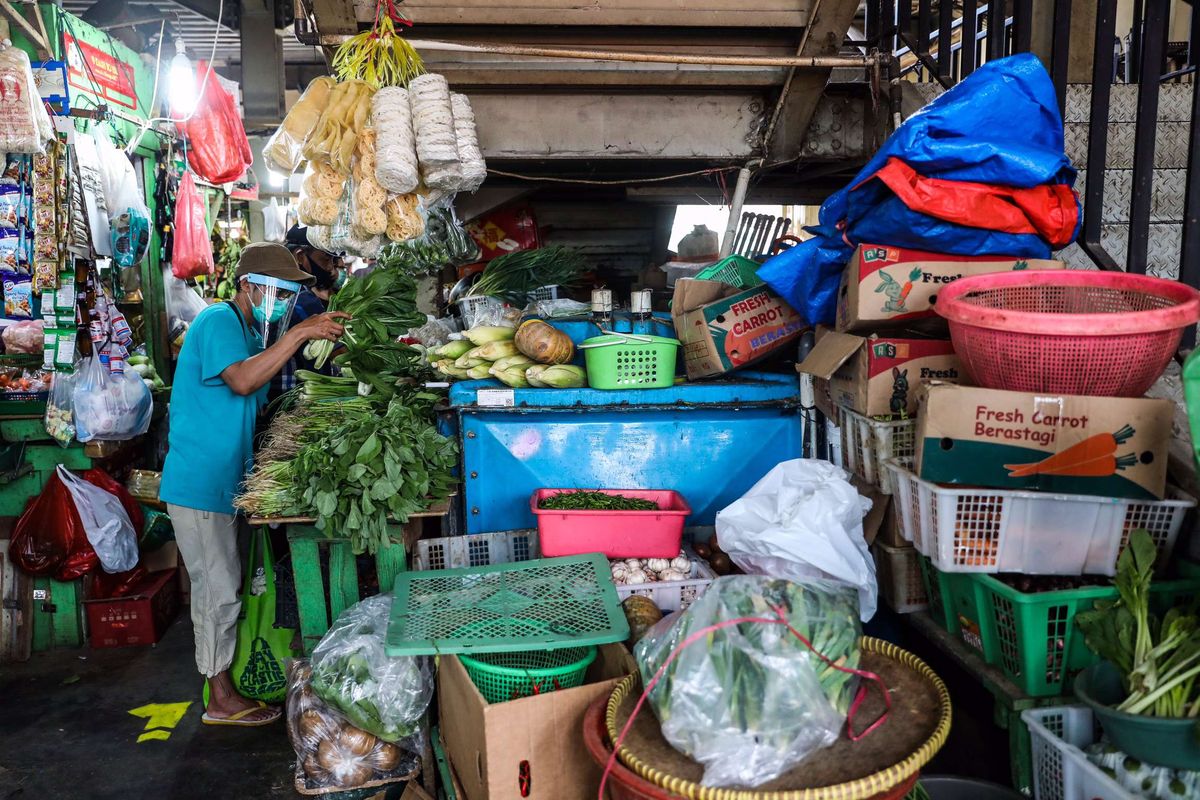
(322, 326)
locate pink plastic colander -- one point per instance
(1108, 334)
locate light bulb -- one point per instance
(182, 82)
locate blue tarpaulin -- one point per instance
(980, 170)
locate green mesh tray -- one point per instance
(542, 604)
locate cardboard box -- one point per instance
(888, 286)
(876, 376)
(1106, 446)
(492, 745)
(723, 328)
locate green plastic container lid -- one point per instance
(543, 604)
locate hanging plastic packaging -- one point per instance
(218, 149)
(958, 177)
(60, 409)
(191, 255)
(396, 162)
(284, 150)
(110, 406)
(49, 539)
(433, 127)
(275, 221)
(25, 126)
(320, 194)
(381, 694)
(474, 168)
(751, 700)
(105, 522)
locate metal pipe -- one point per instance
(799, 62)
(735, 207)
(1097, 146)
(1151, 56)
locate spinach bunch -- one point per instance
(373, 468)
(1159, 660)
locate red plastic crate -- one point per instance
(616, 534)
(140, 617)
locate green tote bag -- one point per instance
(262, 649)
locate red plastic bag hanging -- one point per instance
(191, 253)
(49, 538)
(218, 149)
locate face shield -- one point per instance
(271, 302)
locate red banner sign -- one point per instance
(93, 70)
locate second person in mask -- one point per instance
(328, 273)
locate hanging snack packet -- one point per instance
(18, 295)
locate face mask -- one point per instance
(340, 280)
(277, 312)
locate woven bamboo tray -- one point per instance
(887, 759)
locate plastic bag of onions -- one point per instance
(333, 754)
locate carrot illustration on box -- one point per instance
(896, 293)
(1094, 457)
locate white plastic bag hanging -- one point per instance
(105, 521)
(275, 221)
(802, 520)
(110, 406)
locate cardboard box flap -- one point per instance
(830, 352)
(691, 294)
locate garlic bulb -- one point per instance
(637, 576)
(672, 575)
(681, 563)
(658, 564)
(620, 572)
(634, 563)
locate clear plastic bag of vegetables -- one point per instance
(60, 408)
(333, 754)
(750, 700)
(383, 695)
(110, 406)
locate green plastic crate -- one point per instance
(735, 270)
(942, 590)
(542, 604)
(1033, 638)
(501, 677)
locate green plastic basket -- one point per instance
(1032, 636)
(501, 677)
(630, 361)
(735, 270)
(942, 589)
(541, 604)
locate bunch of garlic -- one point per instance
(634, 571)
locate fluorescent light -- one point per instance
(181, 82)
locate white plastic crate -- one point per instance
(868, 443)
(898, 572)
(997, 530)
(543, 293)
(1061, 771)
(472, 308)
(674, 595)
(476, 550)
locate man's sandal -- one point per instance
(239, 719)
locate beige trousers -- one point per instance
(209, 546)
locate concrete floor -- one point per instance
(66, 730)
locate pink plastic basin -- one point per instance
(616, 534)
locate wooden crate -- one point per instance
(16, 609)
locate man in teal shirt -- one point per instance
(220, 384)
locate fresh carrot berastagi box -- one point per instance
(1107, 446)
(887, 286)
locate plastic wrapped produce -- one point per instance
(110, 406)
(27, 336)
(470, 157)
(370, 217)
(285, 149)
(396, 154)
(433, 126)
(751, 700)
(331, 753)
(320, 194)
(60, 409)
(335, 136)
(24, 124)
(383, 695)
